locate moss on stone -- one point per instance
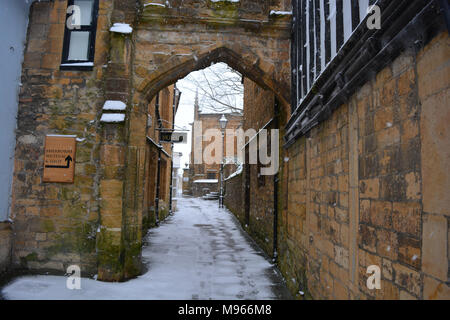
(163, 213)
(31, 257)
(48, 226)
(28, 258)
(109, 255)
(67, 193)
(133, 265)
(79, 238)
(225, 9)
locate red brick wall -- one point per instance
(258, 105)
(234, 197)
(258, 111)
(211, 121)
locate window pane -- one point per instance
(79, 45)
(86, 7)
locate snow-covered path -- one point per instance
(199, 253)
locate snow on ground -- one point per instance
(199, 253)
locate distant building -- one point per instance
(204, 178)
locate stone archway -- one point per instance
(242, 60)
(166, 45)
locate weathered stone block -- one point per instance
(112, 155)
(434, 246)
(409, 251)
(111, 207)
(370, 188)
(435, 151)
(387, 244)
(381, 214)
(408, 279)
(435, 290)
(407, 217)
(111, 189)
(388, 291)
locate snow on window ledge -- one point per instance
(225, 1)
(112, 118)
(207, 181)
(114, 105)
(121, 28)
(153, 4)
(78, 64)
(280, 13)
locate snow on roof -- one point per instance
(121, 28)
(114, 105)
(112, 117)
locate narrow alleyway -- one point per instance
(199, 253)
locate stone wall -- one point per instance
(366, 187)
(55, 224)
(433, 85)
(5, 246)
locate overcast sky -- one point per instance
(185, 113)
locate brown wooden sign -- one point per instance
(59, 159)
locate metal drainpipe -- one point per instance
(158, 181)
(275, 194)
(158, 174)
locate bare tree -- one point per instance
(220, 88)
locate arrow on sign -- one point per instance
(68, 160)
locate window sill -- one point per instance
(78, 66)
